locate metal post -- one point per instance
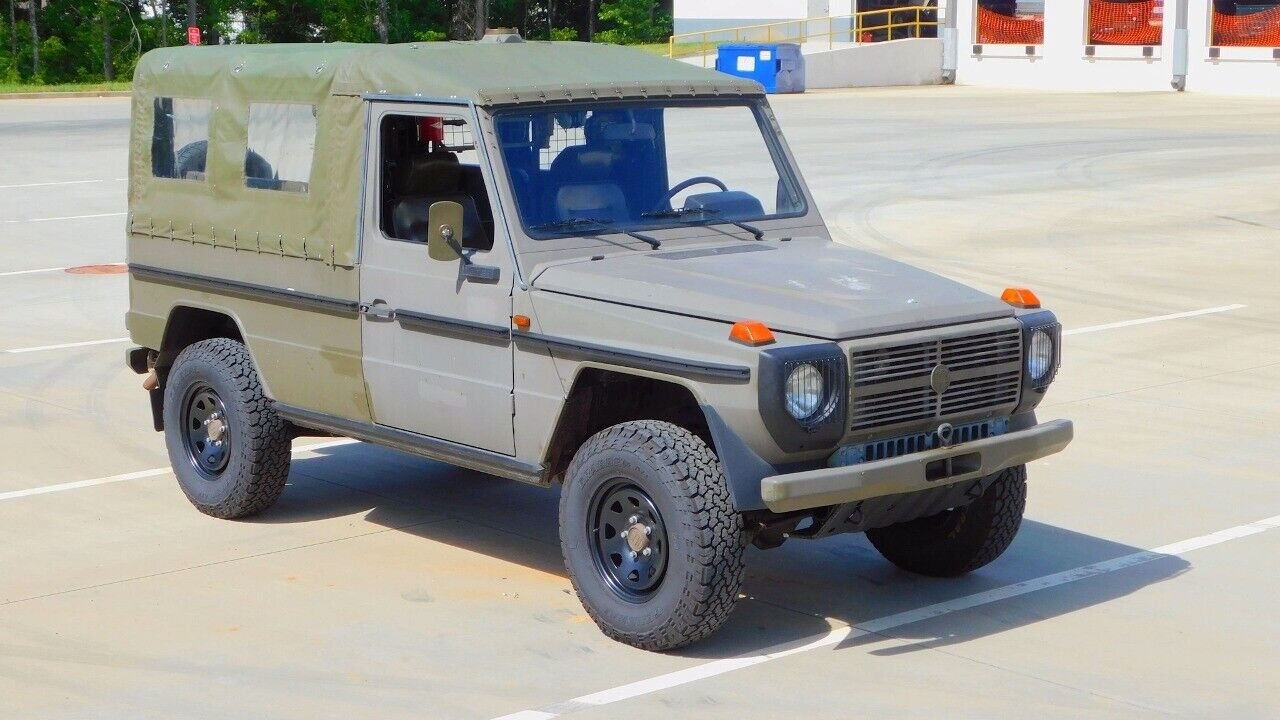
(1180, 50)
(950, 39)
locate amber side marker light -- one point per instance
(1020, 298)
(520, 321)
(751, 332)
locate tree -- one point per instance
(108, 63)
(13, 32)
(633, 21)
(35, 38)
(470, 18)
(380, 22)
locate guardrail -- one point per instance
(864, 26)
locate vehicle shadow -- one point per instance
(793, 593)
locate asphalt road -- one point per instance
(1143, 582)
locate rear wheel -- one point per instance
(649, 534)
(229, 449)
(960, 540)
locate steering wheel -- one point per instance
(685, 184)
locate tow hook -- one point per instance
(151, 381)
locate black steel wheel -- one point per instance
(229, 449)
(205, 431)
(630, 540)
(650, 536)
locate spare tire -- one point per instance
(190, 158)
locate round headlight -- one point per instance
(1040, 359)
(803, 395)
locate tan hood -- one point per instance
(806, 286)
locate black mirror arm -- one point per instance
(457, 247)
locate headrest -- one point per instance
(616, 126)
(433, 174)
(583, 163)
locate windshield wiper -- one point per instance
(681, 212)
(653, 242)
(571, 223)
(595, 222)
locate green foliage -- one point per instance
(72, 47)
(633, 21)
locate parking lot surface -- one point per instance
(1143, 582)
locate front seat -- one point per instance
(585, 182)
(430, 179)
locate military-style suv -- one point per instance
(563, 263)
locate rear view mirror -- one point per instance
(444, 231)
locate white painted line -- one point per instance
(60, 182)
(64, 217)
(1157, 318)
(48, 270)
(30, 272)
(63, 346)
(889, 622)
(76, 485)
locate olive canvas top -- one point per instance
(484, 73)
(198, 174)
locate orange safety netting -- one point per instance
(1124, 23)
(996, 28)
(1260, 29)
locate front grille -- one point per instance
(892, 385)
(915, 442)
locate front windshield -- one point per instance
(612, 168)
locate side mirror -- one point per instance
(444, 230)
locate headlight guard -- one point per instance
(826, 424)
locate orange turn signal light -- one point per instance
(751, 332)
(1020, 298)
(521, 322)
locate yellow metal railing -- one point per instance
(865, 26)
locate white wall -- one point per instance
(897, 62)
(1061, 63)
(718, 9)
(1238, 71)
(704, 15)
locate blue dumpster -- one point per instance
(779, 67)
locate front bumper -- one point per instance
(917, 471)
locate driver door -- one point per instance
(437, 360)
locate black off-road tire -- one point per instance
(259, 440)
(191, 158)
(705, 541)
(959, 540)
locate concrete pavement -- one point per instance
(388, 586)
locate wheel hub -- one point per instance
(638, 536)
(629, 540)
(205, 431)
(216, 428)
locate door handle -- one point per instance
(377, 310)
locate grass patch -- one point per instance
(682, 49)
(11, 88)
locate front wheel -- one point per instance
(650, 537)
(960, 540)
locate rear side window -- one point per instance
(180, 138)
(282, 143)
